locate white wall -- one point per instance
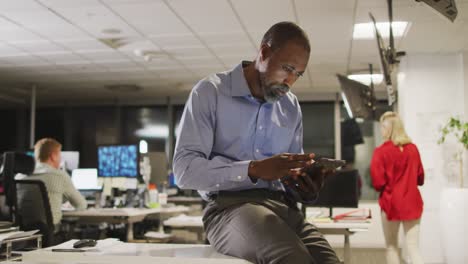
(430, 89)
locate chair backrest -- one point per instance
(13, 163)
(33, 208)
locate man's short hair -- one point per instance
(282, 32)
(44, 148)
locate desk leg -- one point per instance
(130, 232)
(347, 249)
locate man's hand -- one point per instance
(278, 166)
(307, 181)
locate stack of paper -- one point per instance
(16, 234)
(362, 215)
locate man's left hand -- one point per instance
(307, 181)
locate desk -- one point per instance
(127, 216)
(195, 223)
(345, 229)
(8, 255)
(124, 253)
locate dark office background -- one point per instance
(84, 128)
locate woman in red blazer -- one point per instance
(396, 171)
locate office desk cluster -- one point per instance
(127, 216)
(195, 223)
(116, 252)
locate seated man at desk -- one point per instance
(60, 189)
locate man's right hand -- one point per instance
(278, 166)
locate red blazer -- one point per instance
(396, 175)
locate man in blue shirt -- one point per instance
(240, 134)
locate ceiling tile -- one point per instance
(7, 6)
(37, 17)
(24, 60)
(9, 50)
(177, 41)
(18, 34)
(59, 32)
(95, 18)
(102, 55)
(63, 58)
(82, 45)
(69, 4)
(189, 52)
(37, 47)
(202, 19)
(151, 18)
(278, 10)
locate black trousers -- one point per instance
(264, 226)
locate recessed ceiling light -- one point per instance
(366, 30)
(366, 78)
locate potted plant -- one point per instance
(454, 201)
(459, 130)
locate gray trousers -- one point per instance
(264, 226)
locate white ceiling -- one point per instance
(54, 44)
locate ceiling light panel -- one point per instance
(366, 30)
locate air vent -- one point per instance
(115, 43)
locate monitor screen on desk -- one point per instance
(118, 161)
(339, 190)
(85, 179)
(70, 160)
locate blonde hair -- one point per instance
(44, 148)
(397, 133)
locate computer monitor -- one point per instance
(339, 190)
(70, 160)
(118, 161)
(85, 179)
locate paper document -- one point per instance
(16, 234)
(100, 246)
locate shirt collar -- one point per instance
(239, 86)
(43, 168)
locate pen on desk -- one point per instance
(67, 250)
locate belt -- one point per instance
(251, 193)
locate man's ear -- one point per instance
(265, 52)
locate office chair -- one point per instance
(33, 209)
(14, 163)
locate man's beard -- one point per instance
(272, 93)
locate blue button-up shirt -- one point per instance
(223, 128)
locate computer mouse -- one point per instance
(85, 243)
